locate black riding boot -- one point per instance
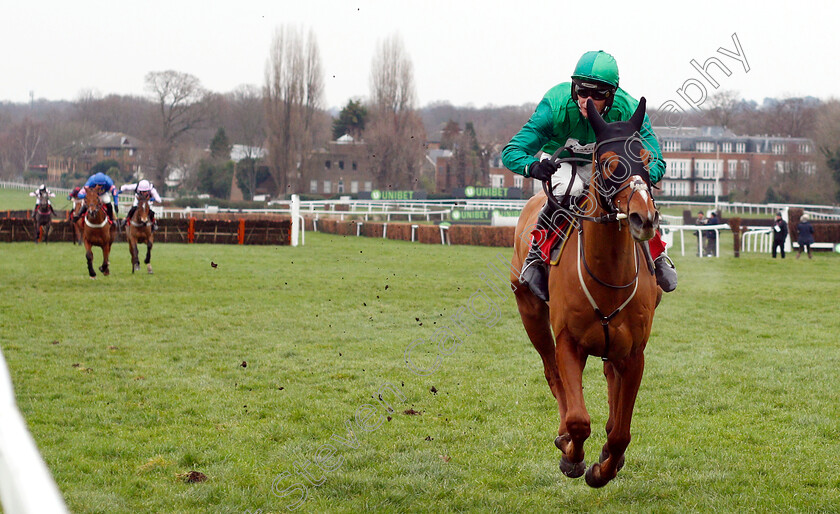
(128, 216)
(534, 271)
(82, 211)
(153, 220)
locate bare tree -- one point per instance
(396, 135)
(292, 96)
(182, 105)
(723, 108)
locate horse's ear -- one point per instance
(639, 116)
(594, 117)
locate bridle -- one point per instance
(94, 209)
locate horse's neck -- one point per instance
(609, 250)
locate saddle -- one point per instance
(551, 248)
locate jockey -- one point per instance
(106, 190)
(144, 186)
(560, 120)
(42, 191)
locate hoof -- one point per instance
(603, 457)
(150, 271)
(570, 469)
(92, 277)
(593, 476)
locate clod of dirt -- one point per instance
(389, 418)
(429, 438)
(280, 388)
(411, 412)
(445, 458)
(213, 264)
(112, 347)
(192, 477)
(55, 342)
(76, 364)
(244, 364)
(433, 390)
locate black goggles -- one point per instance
(593, 93)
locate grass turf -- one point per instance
(246, 371)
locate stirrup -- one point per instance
(666, 274)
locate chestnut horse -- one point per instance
(43, 219)
(139, 230)
(97, 230)
(603, 294)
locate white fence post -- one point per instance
(295, 207)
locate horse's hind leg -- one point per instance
(534, 314)
(106, 252)
(148, 260)
(623, 388)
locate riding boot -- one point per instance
(666, 273)
(127, 218)
(110, 211)
(534, 272)
(82, 211)
(153, 220)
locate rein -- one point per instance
(93, 212)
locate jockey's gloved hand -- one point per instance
(542, 170)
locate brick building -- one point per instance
(745, 165)
(81, 155)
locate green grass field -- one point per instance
(253, 370)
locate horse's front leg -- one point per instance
(623, 388)
(89, 257)
(575, 425)
(37, 230)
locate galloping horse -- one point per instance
(602, 295)
(139, 230)
(96, 230)
(43, 218)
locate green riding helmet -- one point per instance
(597, 69)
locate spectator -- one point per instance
(711, 235)
(806, 235)
(780, 232)
(701, 220)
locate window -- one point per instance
(106, 152)
(804, 148)
(340, 187)
(705, 146)
(313, 186)
(368, 185)
(778, 148)
(732, 168)
(518, 180)
(740, 147)
(327, 165)
(706, 168)
(354, 165)
(327, 187)
(745, 169)
(670, 146)
(341, 165)
(726, 147)
(354, 185)
(497, 181)
(131, 152)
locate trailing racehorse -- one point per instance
(43, 219)
(78, 226)
(97, 230)
(139, 230)
(603, 294)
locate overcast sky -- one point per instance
(464, 52)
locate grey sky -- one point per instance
(465, 52)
